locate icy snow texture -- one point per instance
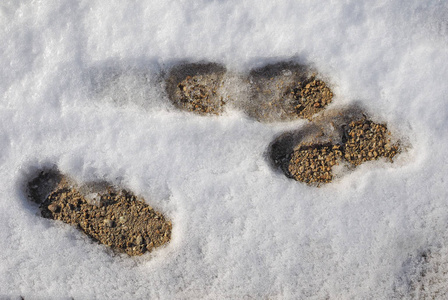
(426, 275)
(80, 88)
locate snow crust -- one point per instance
(81, 88)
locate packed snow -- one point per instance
(81, 85)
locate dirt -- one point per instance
(197, 88)
(345, 137)
(366, 140)
(311, 97)
(286, 91)
(111, 216)
(313, 163)
(278, 92)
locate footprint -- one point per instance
(111, 216)
(282, 92)
(286, 91)
(345, 136)
(197, 87)
(277, 92)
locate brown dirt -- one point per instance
(313, 163)
(366, 140)
(311, 96)
(116, 218)
(196, 88)
(277, 92)
(286, 91)
(308, 155)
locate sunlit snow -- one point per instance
(81, 88)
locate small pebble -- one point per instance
(109, 223)
(53, 207)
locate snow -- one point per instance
(81, 89)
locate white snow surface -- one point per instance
(80, 88)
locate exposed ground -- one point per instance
(366, 140)
(313, 163)
(197, 88)
(347, 136)
(113, 217)
(279, 92)
(286, 91)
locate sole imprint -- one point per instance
(113, 217)
(348, 136)
(286, 91)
